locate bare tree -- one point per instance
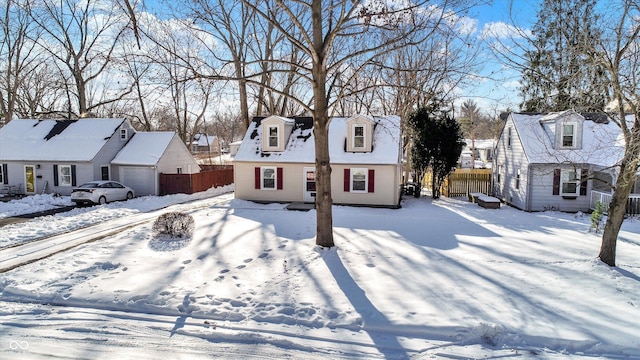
(18, 55)
(619, 54)
(82, 37)
(336, 36)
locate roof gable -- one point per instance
(144, 148)
(55, 140)
(601, 142)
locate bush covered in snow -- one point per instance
(174, 224)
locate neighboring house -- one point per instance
(203, 143)
(53, 156)
(233, 147)
(559, 161)
(149, 154)
(483, 150)
(276, 160)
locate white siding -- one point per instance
(509, 159)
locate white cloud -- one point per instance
(502, 30)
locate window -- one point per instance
(359, 180)
(104, 172)
(518, 179)
(568, 135)
(123, 134)
(3, 177)
(179, 170)
(64, 175)
(273, 136)
(570, 182)
(498, 175)
(509, 138)
(358, 136)
(268, 178)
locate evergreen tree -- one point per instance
(561, 73)
(436, 142)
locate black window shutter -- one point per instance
(584, 175)
(5, 177)
(55, 175)
(73, 175)
(556, 182)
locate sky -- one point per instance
(436, 279)
(498, 85)
(494, 87)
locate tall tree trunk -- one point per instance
(618, 205)
(324, 202)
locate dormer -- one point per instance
(565, 128)
(275, 133)
(359, 134)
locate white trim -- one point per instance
(364, 136)
(275, 177)
(565, 175)
(61, 176)
(352, 173)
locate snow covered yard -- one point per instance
(433, 279)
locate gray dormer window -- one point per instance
(568, 135)
(273, 136)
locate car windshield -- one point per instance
(89, 185)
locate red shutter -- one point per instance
(371, 180)
(257, 178)
(279, 178)
(556, 182)
(347, 180)
(584, 176)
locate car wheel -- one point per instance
(129, 195)
(102, 200)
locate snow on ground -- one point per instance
(80, 216)
(434, 279)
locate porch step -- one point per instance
(300, 206)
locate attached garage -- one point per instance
(142, 179)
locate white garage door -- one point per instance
(140, 179)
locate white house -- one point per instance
(558, 161)
(276, 160)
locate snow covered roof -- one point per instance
(300, 147)
(145, 148)
(203, 139)
(602, 141)
(55, 140)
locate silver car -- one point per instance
(101, 192)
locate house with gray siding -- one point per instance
(54, 156)
(556, 161)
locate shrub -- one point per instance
(174, 224)
(596, 217)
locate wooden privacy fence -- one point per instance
(461, 182)
(209, 176)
